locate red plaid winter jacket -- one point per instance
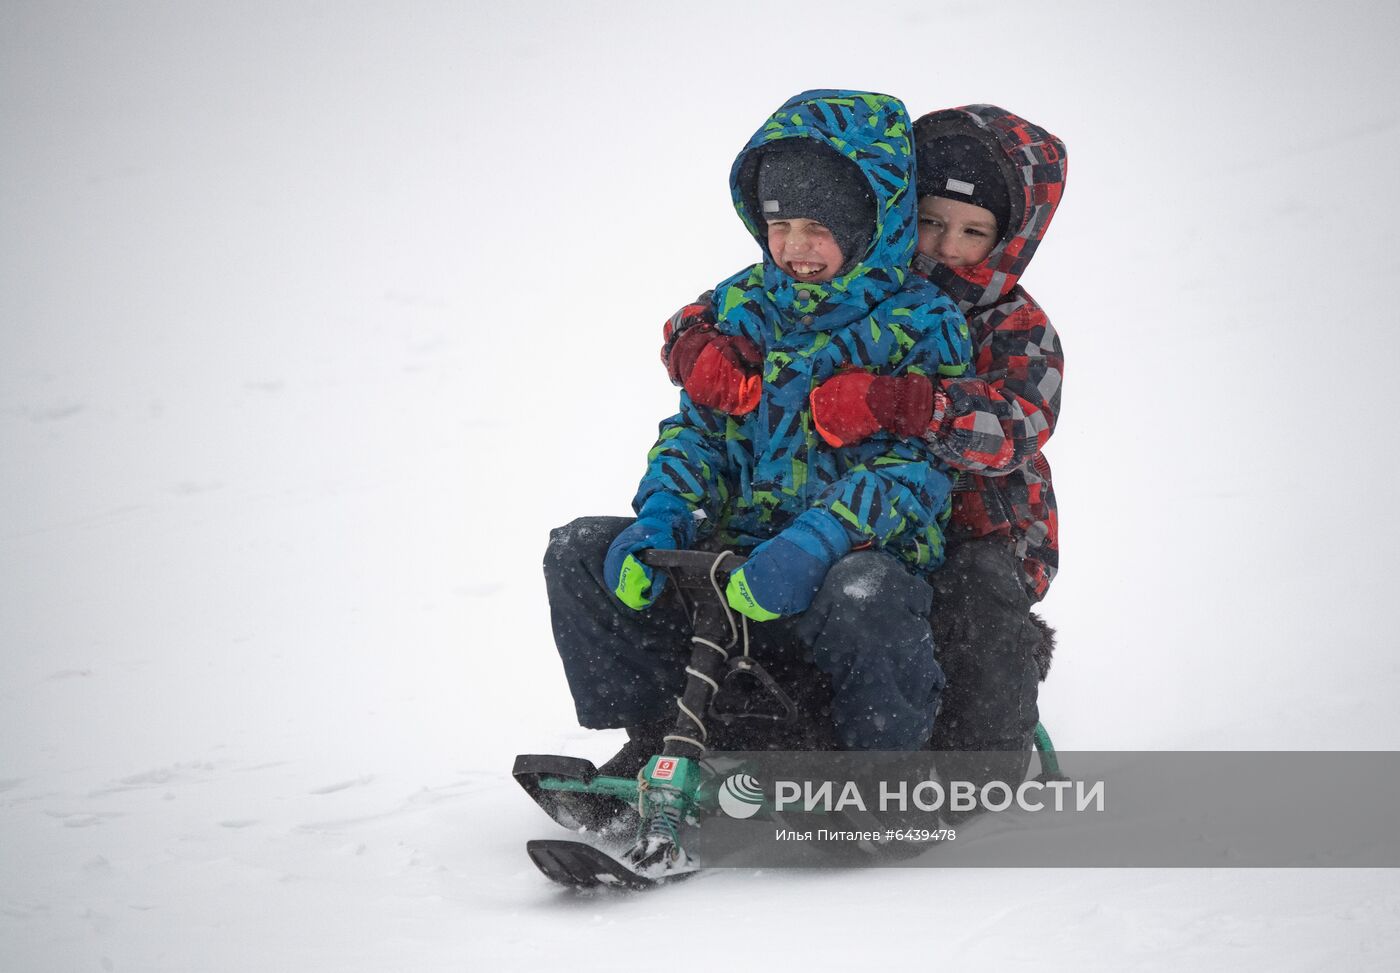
(992, 425)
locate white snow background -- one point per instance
(315, 317)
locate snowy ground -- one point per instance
(315, 317)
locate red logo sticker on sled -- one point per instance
(665, 769)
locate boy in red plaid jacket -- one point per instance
(989, 183)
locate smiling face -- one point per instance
(954, 233)
(805, 250)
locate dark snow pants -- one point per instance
(986, 642)
(867, 630)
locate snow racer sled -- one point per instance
(730, 702)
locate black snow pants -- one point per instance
(986, 644)
(867, 632)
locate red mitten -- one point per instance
(680, 354)
(902, 405)
(726, 374)
(855, 405)
(839, 409)
(684, 335)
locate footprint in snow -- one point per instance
(80, 819)
(342, 785)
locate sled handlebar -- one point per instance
(691, 569)
(690, 562)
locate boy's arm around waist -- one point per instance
(1000, 414)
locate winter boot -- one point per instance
(609, 816)
(643, 743)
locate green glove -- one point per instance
(664, 523)
(782, 574)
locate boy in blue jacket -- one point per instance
(839, 540)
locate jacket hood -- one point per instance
(1034, 164)
(874, 132)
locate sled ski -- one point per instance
(572, 792)
(581, 866)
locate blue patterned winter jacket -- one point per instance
(752, 475)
